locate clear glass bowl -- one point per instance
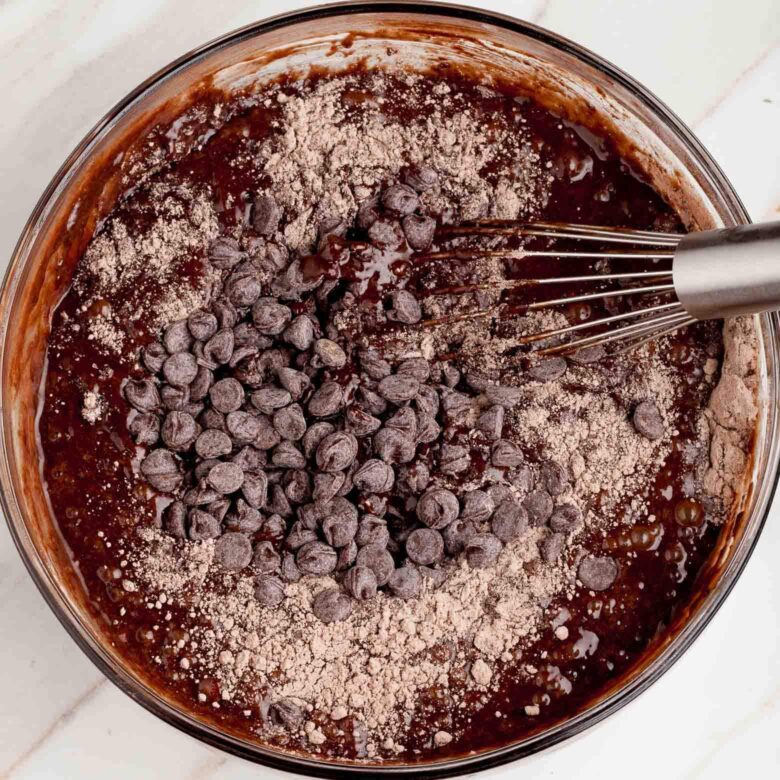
(563, 76)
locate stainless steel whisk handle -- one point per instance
(727, 272)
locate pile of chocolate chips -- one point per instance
(301, 454)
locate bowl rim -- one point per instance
(144, 695)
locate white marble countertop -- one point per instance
(64, 63)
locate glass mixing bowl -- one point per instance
(564, 77)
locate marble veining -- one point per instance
(715, 62)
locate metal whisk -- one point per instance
(683, 278)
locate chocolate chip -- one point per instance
(418, 367)
(244, 359)
(226, 314)
(247, 335)
(505, 454)
(219, 509)
(233, 551)
(398, 388)
(202, 324)
(269, 399)
(372, 530)
(274, 525)
(437, 508)
(297, 486)
(327, 486)
(270, 317)
(428, 430)
(212, 419)
(314, 435)
(295, 382)
(552, 547)
(405, 308)
(243, 290)
(425, 546)
(291, 284)
(161, 470)
(177, 337)
(336, 451)
(339, 529)
(392, 446)
(142, 394)
(316, 558)
(506, 397)
(539, 506)
(286, 714)
(175, 399)
(597, 573)
(299, 535)
(400, 199)
(457, 407)
(289, 569)
(368, 213)
(548, 369)
(360, 583)
(269, 590)
(287, 455)
(450, 375)
(179, 430)
(522, 478)
(427, 401)
(300, 333)
(145, 429)
(374, 365)
(379, 560)
(370, 401)
(421, 177)
(255, 489)
(414, 478)
(265, 558)
(219, 348)
(374, 476)
(227, 395)
(224, 252)
(588, 355)
(565, 518)
(173, 518)
(203, 526)
(213, 444)
(290, 422)
(456, 534)
(326, 400)
(405, 421)
(154, 356)
(359, 422)
(509, 520)
(553, 477)
(419, 231)
(266, 215)
(245, 427)
(246, 519)
(405, 582)
(201, 384)
(250, 459)
(482, 550)
(226, 478)
(330, 353)
(648, 421)
(331, 606)
(453, 459)
(201, 494)
(347, 556)
(478, 506)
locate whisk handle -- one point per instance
(724, 273)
